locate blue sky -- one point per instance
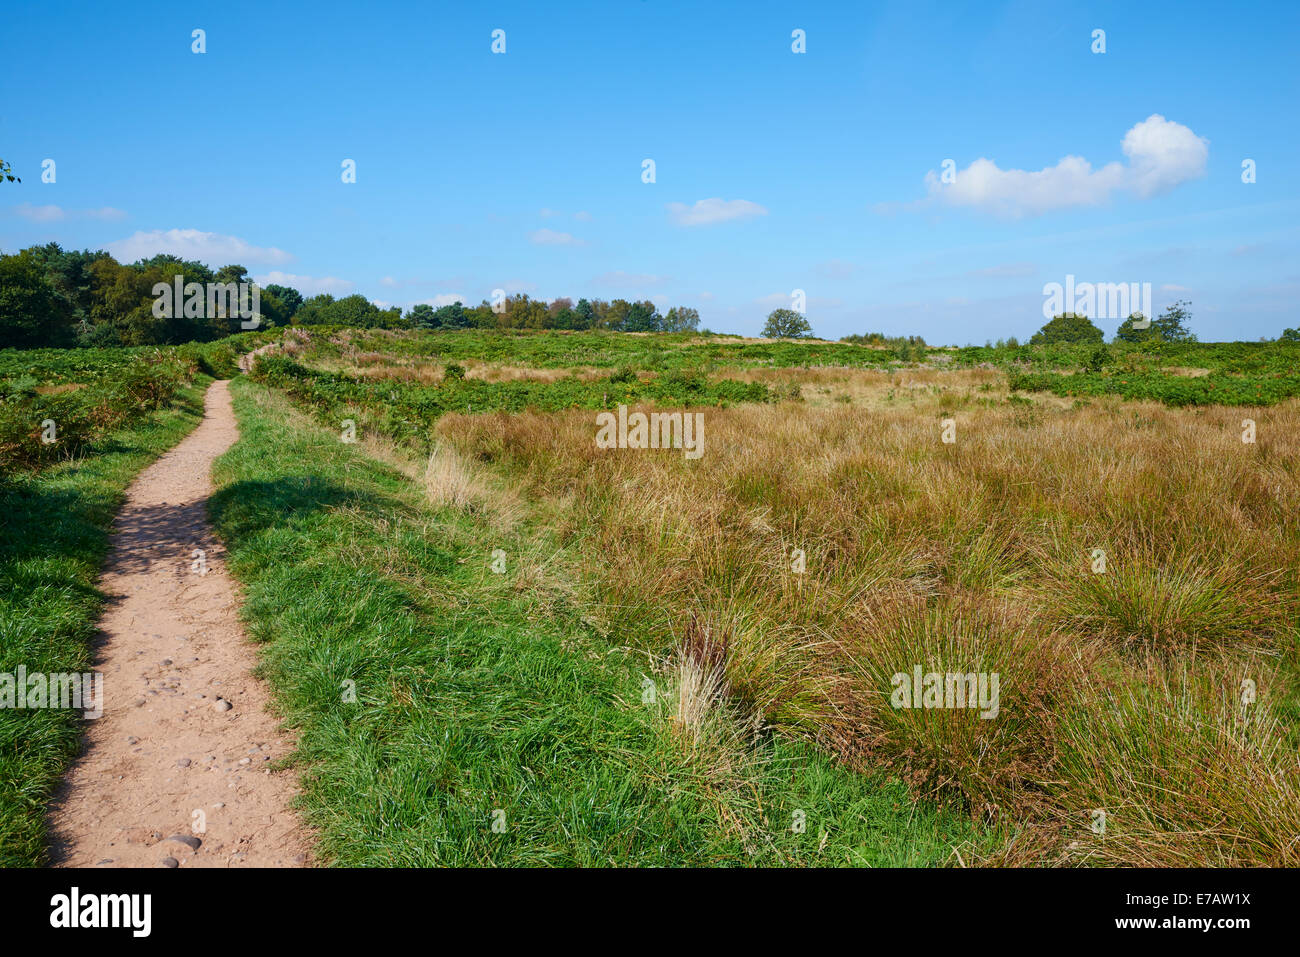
(775, 171)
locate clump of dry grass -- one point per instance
(448, 480)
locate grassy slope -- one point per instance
(477, 693)
(53, 537)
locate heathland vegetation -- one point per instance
(637, 657)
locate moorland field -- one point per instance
(632, 656)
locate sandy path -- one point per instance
(185, 727)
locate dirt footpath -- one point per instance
(176, 773)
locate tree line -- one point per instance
(52, 297)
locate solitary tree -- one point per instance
(786, 324)
(1068, 327)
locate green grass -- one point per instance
(478, 693)
(406, 411)
(658, 352)
(53, 537)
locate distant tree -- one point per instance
(642, 317)
(1172, 323)
(1169, 326)
(584, 316)
(1068, 327)
(614, 314)
(422, 316)
(786, 324)
(7, 174)
(681, 319)
(311, 313)
(354, 310)
(231, 274)
(272, 309)
(1127, 333)
(1290, 335)
(290, 297)
(452, 316)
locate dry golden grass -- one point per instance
(1120, 690)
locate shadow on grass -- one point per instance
(247, 507)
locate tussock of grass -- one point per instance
(447, 479)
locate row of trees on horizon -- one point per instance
(52, 297)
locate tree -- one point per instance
(681, 319)
(235, 274)
(615, 314)
(272, 310)
(642, 317)
(312, 311)
(290, 298)
(1067, 327)
(354, 310)
(1290, 335)
(452, 316)
(584, 316)
(7, 174)
(1169, 326)
(30, 313)
(422, 316)
(1172, 323)
(786, 324)
(1127, 333)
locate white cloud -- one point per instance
(707, 212)
(211, 248)
(39, 214)
(582, 216)
(547, 213)
(445, 300)
(628, 280)
(1171, 287)
(1161, 155)
(549, 237)
(307, 285)
(53, 214)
